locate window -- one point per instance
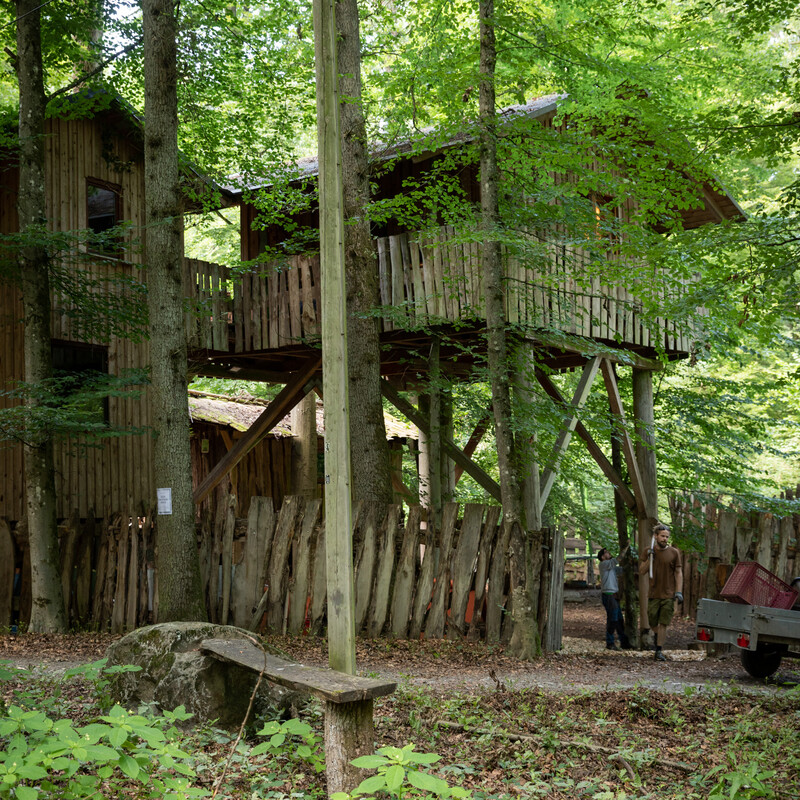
(103, 211)
(77, 366)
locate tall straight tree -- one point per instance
(525, 641)
(179, 588)
(369, 449)
(47, 611)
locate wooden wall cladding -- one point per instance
(118, 474)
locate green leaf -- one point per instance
(296, 727)
(369, 762)
(129, 766)
(422, 758)
(100, 753)
(27, 792)
(118, 737)
(260, 749)
(31, 772)
(428, 783)
(394, 777)
(270, 728)
(372, 784)
(278, 739)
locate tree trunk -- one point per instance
(630, 565)
(525, 642)
(368, 445)
(180, 594)
(47, 611)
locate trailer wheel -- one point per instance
(762, 662)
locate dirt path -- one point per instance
(582, 664)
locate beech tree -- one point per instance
(179, 587)
(47, 610)
(368, 446)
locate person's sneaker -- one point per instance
(627, 646)
(611, 647)
(659, 656)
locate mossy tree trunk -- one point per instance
(525, 642)
(47, 611)
(179, 588)
(369, 448)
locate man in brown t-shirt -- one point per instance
(666, 585)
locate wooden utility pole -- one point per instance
(338, 522)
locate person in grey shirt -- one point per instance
(609, 589)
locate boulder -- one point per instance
(174, 672)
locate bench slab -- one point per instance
(327, 684)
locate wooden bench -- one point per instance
(349, 730)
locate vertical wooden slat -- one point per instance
(424, 587)
(384, 570)
(434, 626)
(299, 584)
(464, 558)
(403, 594)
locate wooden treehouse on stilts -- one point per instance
(432, 301)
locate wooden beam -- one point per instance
(475, 439)
(588, 348)
(578, 401)
(471, 468)
(615, 401)
(594, 449)
(402, 489)
(269, 417)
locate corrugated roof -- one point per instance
(240, 414)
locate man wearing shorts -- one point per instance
(666, 585)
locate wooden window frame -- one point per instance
(117, 251)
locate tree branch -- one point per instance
(96, 70)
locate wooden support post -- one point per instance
(349, 733)
(644, 418)
(435, 432)
(338, 516)
(304, 431)
(526, 443)
(446, 465)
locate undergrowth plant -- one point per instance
(399, 776)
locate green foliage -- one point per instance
(68, 406)
(281, 741)
(399, 776)
(43, 756)
(743, 782)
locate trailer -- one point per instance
(763, 635)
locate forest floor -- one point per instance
(583, 662)
(581, 723)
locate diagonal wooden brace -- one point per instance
(469, 466)
(301, 383)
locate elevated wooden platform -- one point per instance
(257, 325)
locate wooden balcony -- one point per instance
(434, 280)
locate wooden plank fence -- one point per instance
(730, 536)
(267, 572)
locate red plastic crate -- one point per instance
(755, 585)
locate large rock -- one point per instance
(174, 672)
